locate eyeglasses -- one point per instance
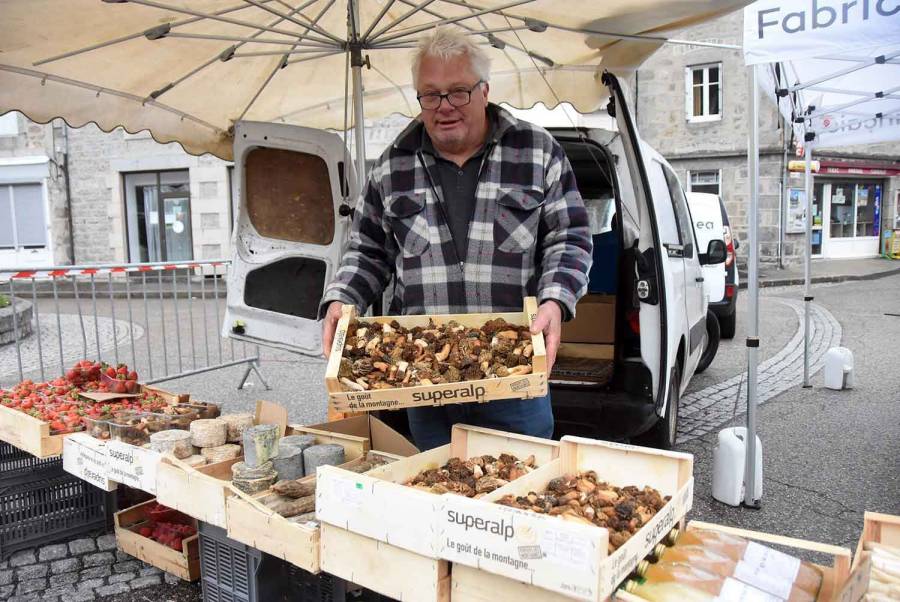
(459, 97)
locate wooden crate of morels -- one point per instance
(391, 362)
(381, 506)
(572, 555)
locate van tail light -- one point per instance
(729, 291)
(634, 320)
(729, 246)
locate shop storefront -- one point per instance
(851, 206)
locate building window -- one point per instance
(22, 221)
(705, 181)
(704, 92)
(854, 208)
(9, 124)
(158, 214)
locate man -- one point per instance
(471, 210)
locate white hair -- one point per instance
(447, 43)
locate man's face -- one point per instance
(453, 129)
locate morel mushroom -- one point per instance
(474, 477)
(378, 355)
(585, 499)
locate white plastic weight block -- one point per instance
(839, 368)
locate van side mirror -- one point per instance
(716, 252)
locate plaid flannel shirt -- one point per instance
(529, 235)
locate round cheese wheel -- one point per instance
(236, 425)
(229, 451)
(208, 432)
(175, 442)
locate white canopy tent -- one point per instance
(833, 68)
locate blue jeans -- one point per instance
(431, 425)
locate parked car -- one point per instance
(706, 218)
(293, 216)
(722, 281)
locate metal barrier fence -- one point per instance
(101, 313)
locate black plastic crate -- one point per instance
(233, 572)
(18, 466)
(306, 587)
(51, 509)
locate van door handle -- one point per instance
(698, 279)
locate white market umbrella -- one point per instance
(187, 70)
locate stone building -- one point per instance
(125, 197)
(692, 106)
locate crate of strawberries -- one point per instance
(160, 536)
(35, 415)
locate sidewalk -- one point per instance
(825, 270)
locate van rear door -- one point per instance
(291, 226)
(651, 286)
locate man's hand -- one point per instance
(329, 325)
(549, 321)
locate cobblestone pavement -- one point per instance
(73, 344)
(705, 410)
(80, 570)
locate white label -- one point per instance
(762, 559)
(86, 463)
(566, 549)
(349, 492)
(735, 591)
(758, 577)
(133, 466)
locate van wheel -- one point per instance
(713, 334)
(727, 325)
(663, 434)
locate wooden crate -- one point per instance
(172, 398)
(473, 585)
(379, 506)
(527, 386)
(184, 563)
(555, 554)
(383, 568)
(880, 528)
(251, 522)
(834, 576)
(203, 492)
(29, 434)
(198, 492)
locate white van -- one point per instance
(647, 307)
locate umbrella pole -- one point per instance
(807, 297)
(750, 468)
(356, 65)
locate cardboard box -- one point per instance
(251, 522)
(554, 554)
(521, 386)
(183, 563)
(381, 437)
(379, 506)
(594, 322)
(87, 459)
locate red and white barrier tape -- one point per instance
(106, 270)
